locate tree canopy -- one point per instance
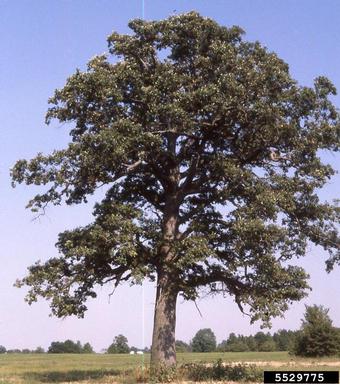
(211, 157)
(119, 345)
(69, 346)
(204, 341)
(317, 336)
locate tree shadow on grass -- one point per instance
(73, 375)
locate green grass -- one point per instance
(52, 368)
(95, 368)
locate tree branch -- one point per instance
(132, 167)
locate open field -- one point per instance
(104, 369)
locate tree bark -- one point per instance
(163, 351)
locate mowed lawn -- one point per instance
(97, 368)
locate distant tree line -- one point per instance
(119, 345)
(24, 350)
(205, 341)
(316, 337)
(69, 346)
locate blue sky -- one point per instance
(42, 43)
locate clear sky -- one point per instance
(42, 43)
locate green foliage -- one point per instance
(189, 119)
(204, 341)
(182, 346)
(251, 343)
(234, 344)
(119, 345)
(264, 342)
(202, 372)
(69, 346)
(317, 336)
(221, 371)
(238, 346)
(162, 374)
(222, 346)
(284, 339)
(87, 348)
(40, 350)
(267, 346)
(2, 349)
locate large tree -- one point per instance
(204, 341)
(119, 345)
(317, 336)
(210, 153)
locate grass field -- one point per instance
(66, 368)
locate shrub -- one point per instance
(220, 371)
(317, 336)
(163, 374)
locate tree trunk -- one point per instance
(163, 351)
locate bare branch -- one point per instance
(276, 156)
(132, 167)
(200, 313)
(43, 213)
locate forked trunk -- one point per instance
(163, 350)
